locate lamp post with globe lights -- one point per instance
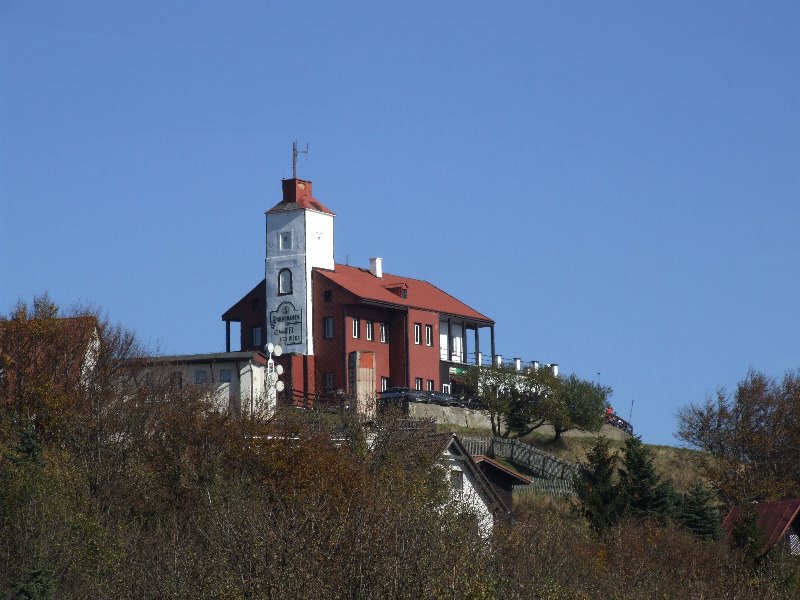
(274, 385)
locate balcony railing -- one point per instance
(483, 360)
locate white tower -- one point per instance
(299, 238)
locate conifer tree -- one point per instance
(696, 512)
(599, 500)
(645, 493)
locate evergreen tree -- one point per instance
(696, 512)
(645, 493)
(599, 500)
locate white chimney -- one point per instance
(518, 364)
(376, 266)
(535, 365)
(554, 367)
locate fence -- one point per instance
(543, 487)
(538, 462)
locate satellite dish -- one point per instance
(279, 369)
(279, 386)
(270, 347)
(277, 350)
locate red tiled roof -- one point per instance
(774, 518)
(480, 458)
(297, 195)
(421, 294)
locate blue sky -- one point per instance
(615, 183)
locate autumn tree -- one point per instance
(750, 437)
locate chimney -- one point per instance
(376, 267)
(554, 367)
(535, 365)
(293, 189)
(518, 364)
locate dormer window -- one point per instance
(284, 282)
(398, 289)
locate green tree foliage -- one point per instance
(697, 513)
(599, 498)
(518, 402)
(751, 437)
(646, 494)
(578, 404)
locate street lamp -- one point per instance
(274, 385)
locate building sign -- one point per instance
(286, 324)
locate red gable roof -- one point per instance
(420, 294)
(297, 195)
(774, 518)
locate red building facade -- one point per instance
(361, 323)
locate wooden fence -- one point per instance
(544, 487)
(538, 462)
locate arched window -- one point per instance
(284, 282)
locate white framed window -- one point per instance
(285, 240)
(369, 330)
(430, 385)
(200, 376)
(224, 375)
(257, 337)
(446, 388)
(356, 328)
(327, 328)
(284, 282)
(384, 335)
(418, 383)
(429, 335)
(384, 384)
(417, 333)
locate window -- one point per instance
(329, 382)
(327, 328)
(356, 328)
(284, 282)
(200, 376)
(384, 384)
(430, 385)
(383, 333)
(369, 331)
(285, 240)
(446, 388)
(418, 383)
(404, 293)
(457, 481)
(257, 337)
(254, 303)
(417, 333)
(327, 296)
(429, 335)
(224, 375)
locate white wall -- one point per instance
(469, 497)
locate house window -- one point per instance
(200, 376)
(254, 303)
(257, 337)
(327, 328)
(430, 385)
(417, 333)
(384, 384)
(383, 333)
(446, 388)
(225, 375)
(356, 328)
(369, 331)
(418, 383)
(284, 282)
(429, 335)
(457, 481)
(329, 382)
(404, 293)
(285, 240)
(327, 296)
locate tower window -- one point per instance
(285, 240)
(284, 282)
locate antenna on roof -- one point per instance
(295, 152)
